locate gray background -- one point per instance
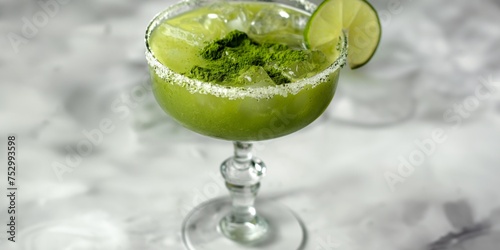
(343, 179)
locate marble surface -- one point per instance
(356, 185)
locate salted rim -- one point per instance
(202, 87)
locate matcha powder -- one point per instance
(236, 53)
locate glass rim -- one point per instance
(231, 92)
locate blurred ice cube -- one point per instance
(236, 17)
(255, 76)
(275, 19)
(208, 26)
(299, 70)
(278, 25)
(213, 24)
(316, 62)
(182, 34)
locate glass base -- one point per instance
(201, 228)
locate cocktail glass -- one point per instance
(242, 115)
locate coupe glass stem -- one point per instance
(242, 173)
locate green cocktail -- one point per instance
(241, 71)
(257, 111)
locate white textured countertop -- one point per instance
(354, 186)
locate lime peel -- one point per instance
(357, 18)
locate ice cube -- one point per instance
(236, 17)
(276, 19)
(214, 25)
(278, 25)
(181, 34)
(298, 70)
(208, 26)
(316, 62)
(255, 76)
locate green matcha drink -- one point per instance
(240, 70)
(247, 71)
